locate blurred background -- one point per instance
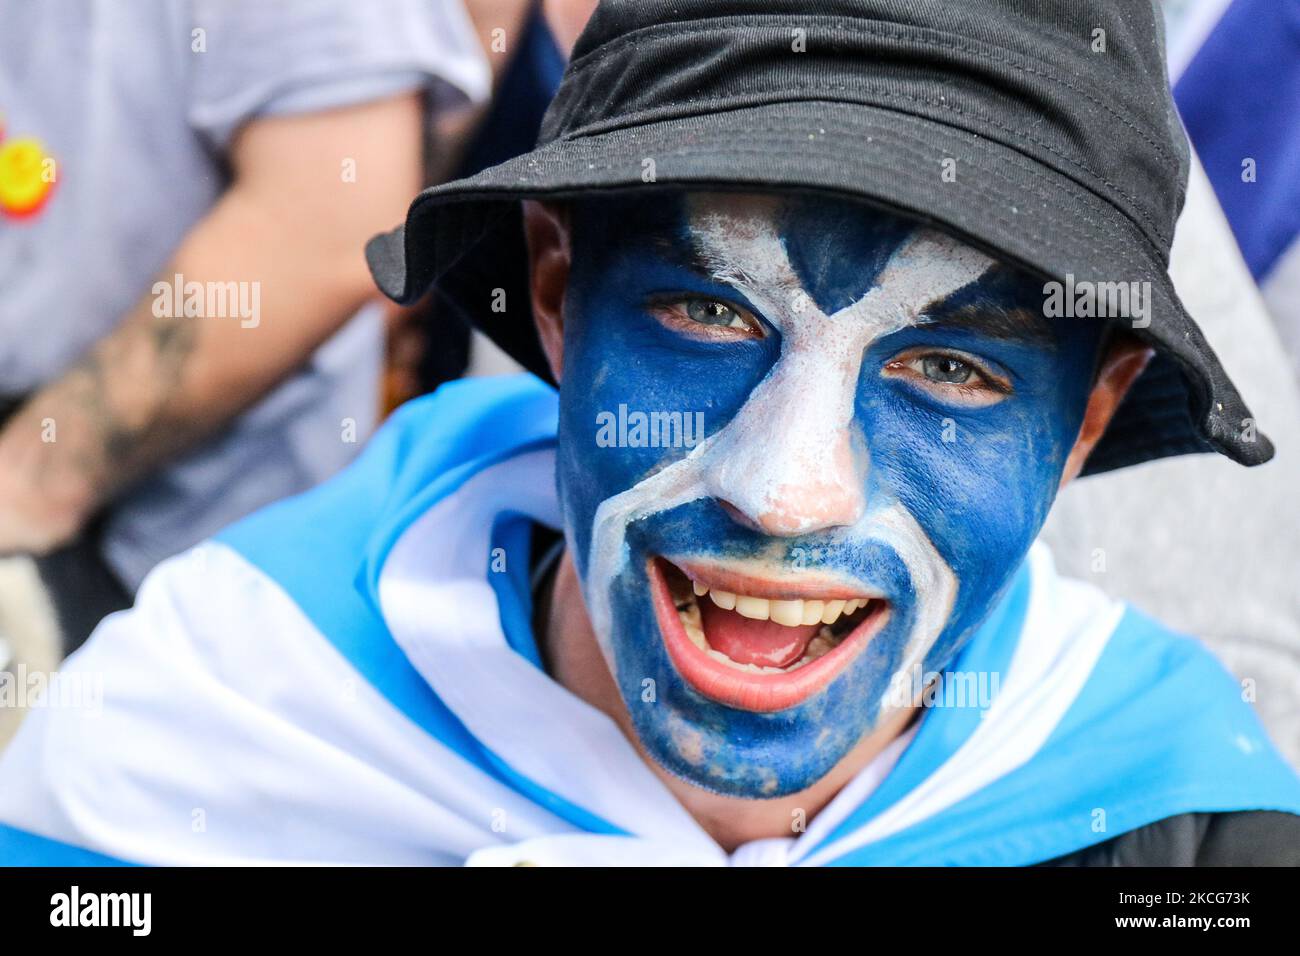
(188, 330)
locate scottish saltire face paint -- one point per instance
(886, 416)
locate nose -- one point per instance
(788, 501)
(786, 464)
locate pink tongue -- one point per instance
(747, 641)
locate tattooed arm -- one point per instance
(293, 223)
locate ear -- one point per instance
(546, 229)
(1124, 362)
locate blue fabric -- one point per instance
(326, 547)
(1159, 729)
(512, 537)
(1240, 98)
(21, 848)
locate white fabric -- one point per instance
(443, 613)
(231, 731)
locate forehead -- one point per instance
(833, 250)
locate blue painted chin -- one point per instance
(722, 748)
(744, 753)
(975, 481)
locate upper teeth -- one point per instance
(789, 613)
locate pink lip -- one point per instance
(762, 693)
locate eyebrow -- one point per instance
(681, 254)
(994, 321)
(1011, 323)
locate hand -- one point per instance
(36, 516)
(28, 527)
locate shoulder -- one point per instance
(317, 544)
(1244, 838)
(218, 724)
(1158, 730)
(1161, 711)
(208, 678)
(1134, 665)
(256, 670)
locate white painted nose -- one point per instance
(786, 464)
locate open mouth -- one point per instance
(758, 651)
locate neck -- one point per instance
(574, 659)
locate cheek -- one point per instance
(979, 483)
(620, 362)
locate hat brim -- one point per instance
(467, 237)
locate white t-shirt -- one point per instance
(137, 103)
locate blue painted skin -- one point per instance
(981, 499)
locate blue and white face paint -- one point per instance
(887, 416)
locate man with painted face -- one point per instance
(892, 417)
(829, 298)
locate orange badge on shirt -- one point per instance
(27, 176)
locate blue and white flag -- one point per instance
(1235, 69)
(351, 676)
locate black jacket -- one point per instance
(1247, 838)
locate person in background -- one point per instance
(515, 634)
(1229, 576)
(184, 191)
(528, 43)
(1235, 66)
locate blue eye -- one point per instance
(952, 378)
(715, 313)
(947, 370)
(704, 319)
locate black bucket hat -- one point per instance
(1070, 160)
